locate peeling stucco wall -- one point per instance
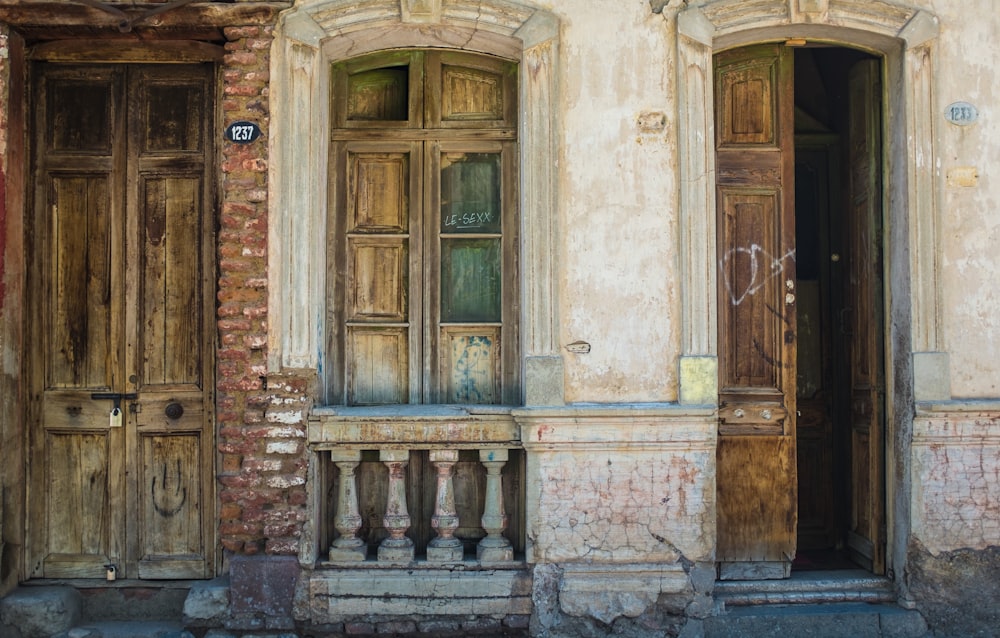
(619, 177)
(970, 195)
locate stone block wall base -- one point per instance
(347, 595)
(262, 587)
(638, 600)
(207, 603)
(956, 591)
(39, 612)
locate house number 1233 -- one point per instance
(961, 113)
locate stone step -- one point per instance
(41, 611)
(133, 601)
(127, 629)
(811, 587)
(825, 620)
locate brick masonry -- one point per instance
(261, 435)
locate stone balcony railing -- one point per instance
(370, 519)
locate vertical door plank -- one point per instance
(756, 484)
(866, 536)
(76, 515)
(169, 293)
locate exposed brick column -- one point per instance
(261, 425)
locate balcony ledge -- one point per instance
(413, 426)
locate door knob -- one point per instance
(174, 410)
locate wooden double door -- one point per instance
(121, 354)
(763, 323)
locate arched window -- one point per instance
(307, 306)
(422, 257)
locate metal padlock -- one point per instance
(111, 572)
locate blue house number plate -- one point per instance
(242, 132)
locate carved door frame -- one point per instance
(904, 36)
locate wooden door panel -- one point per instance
(756, 481)
(747, 104)
(760, 512)
(173, 539)
(470, 364)
(77, 320)
(79, 520)
(378, 192)
(87, 125)
(173, 113)
(753, 272)
(376, 279)
(171, 331)
(377, 365)
(470, 91)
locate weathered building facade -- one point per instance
(491, 313)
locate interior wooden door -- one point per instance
(866, 535)
(756, 468)
(121, 370)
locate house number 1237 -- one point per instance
(242, 132)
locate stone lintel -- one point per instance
(653, 426)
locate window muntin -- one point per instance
(423, 248)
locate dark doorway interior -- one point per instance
(839, 482)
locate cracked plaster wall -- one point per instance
(624, 506)
(956, 481)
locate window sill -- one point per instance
(413, 426)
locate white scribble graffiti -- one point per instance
(762, 268)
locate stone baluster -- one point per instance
(495, 547)
(397, 548)
(444, 548)
(347, 547)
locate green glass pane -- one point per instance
(378, 95)
(470, 280)
(470, 193)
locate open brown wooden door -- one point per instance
(866, 536)
(756, 475)
(121, 428)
